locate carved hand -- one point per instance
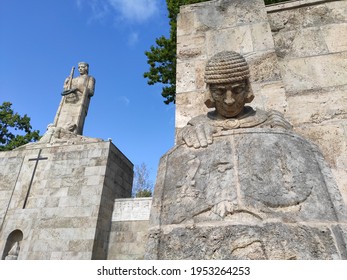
(276, 120)
(68, 91)
(198, 136)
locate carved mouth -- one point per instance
(230, 110)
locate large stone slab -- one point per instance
(252, 242)
(314, 72)
(238, 190)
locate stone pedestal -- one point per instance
(60, 197)
(253, 194)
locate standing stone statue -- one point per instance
(72, 111)
(240, 184)
(74, 105)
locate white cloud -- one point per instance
(135, 10)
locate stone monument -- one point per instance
(297, 63)
(57, 195)
(74, 105)
(240, 184)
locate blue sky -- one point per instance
(40, 40)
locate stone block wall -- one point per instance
(311, 46)
(118, 183)
(67, 214)
(129, 229)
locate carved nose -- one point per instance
(229, 100)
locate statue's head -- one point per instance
(227, 78)
(83, 68)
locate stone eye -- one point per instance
(238, 89)
(218, 91)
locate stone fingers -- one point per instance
(201, 137)
(277, 120)
(189, 136)
(209, 130)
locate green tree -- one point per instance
(15, 130)
(162, 57)
(142, 186)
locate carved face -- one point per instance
(83, 68)
(229, 98)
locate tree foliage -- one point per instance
(162, 57)
(15, 130)
(142, 186)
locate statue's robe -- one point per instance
(73, 107)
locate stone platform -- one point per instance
(57, 199)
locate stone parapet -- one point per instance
(129, 231)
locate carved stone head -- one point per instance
(83, 68)
(227, 78)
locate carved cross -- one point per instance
(33, 175)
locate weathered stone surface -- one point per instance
(270, 96)
(132, 209)
(331, 138)
(247, 242)
(314, 72)
(301, 61)
(296, 15)
(260, 195)
(318, 106)
(273, 171)
(67, 212)
(207, 28)
(247, 182)
(264, 67)
(309, 41)
(237, 39)
(332, 35)
(186, 107)
(127, 240)
(74, 104)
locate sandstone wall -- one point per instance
(311, 45)
(67, 214)
(297, 52)
(129, 228)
